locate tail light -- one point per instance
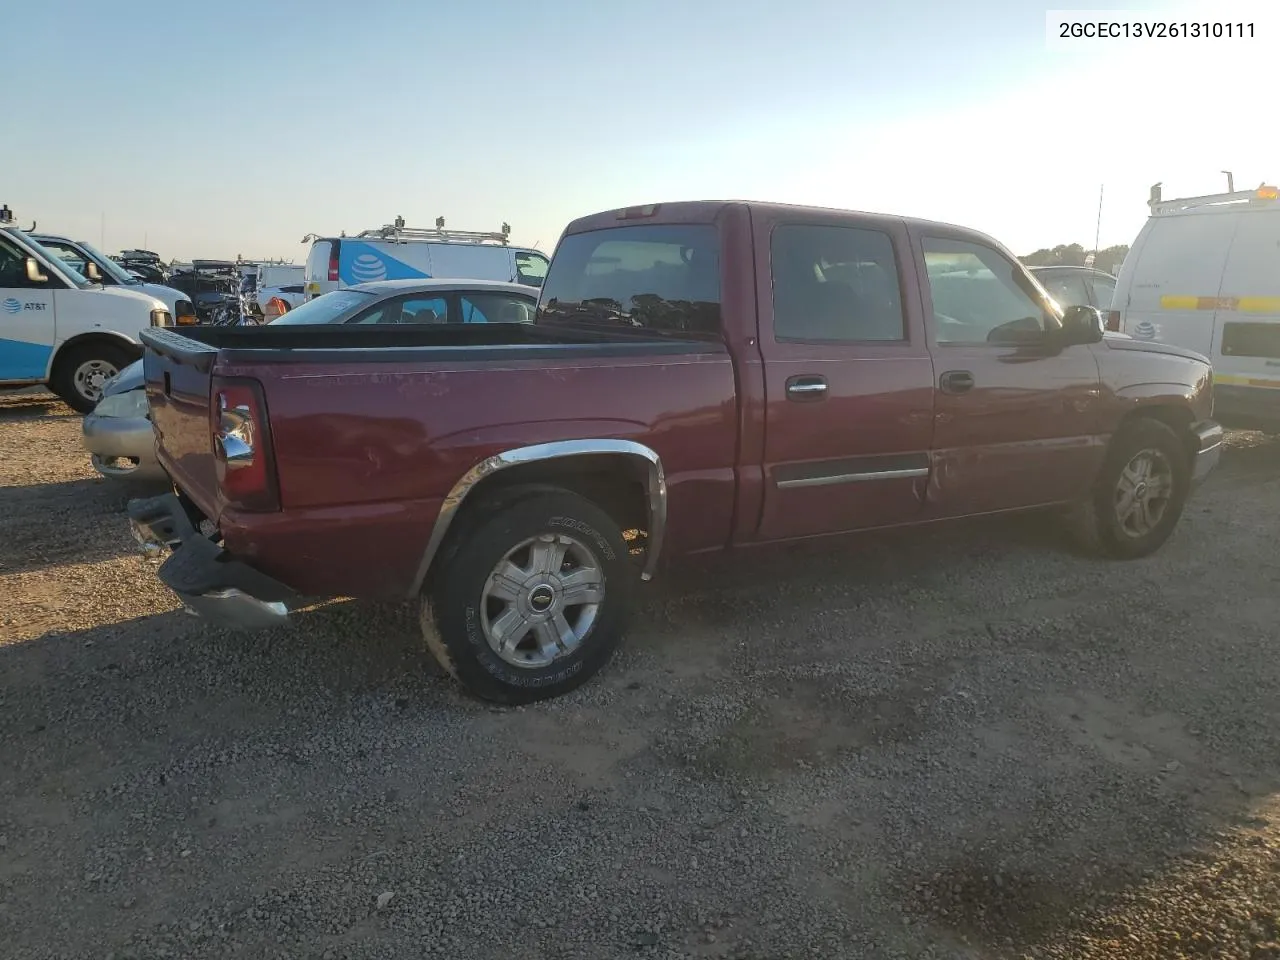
(242, 445)
(1113, 321)
(333, 261)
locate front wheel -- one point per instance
(1140, 493)
(81, 373)
(533, 601)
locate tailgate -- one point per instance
(177, 371)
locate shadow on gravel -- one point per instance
(76, 521)
(32, 406)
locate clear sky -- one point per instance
(237, 127)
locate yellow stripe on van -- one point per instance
(1241, 304)
(1259, 305)
(1238, 381)
(1186, 303)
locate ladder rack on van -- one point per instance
(1161, 208)
(398, 233)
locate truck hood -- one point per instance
(1122, 341)
(132, 294)
(166, 295)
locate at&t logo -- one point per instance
(12, 306)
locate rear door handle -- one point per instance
(806, 387)
(956, 381)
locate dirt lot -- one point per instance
(972, 743)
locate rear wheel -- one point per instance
(534, 599)
(1140, 493)
(80, 374)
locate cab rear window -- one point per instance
(637, 280)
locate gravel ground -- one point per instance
(964, 743)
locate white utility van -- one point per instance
(1204, 273)
(60, 330)
(397, 252)
(96, 267)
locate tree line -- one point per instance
(1074, 255)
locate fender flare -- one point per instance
(655, 490)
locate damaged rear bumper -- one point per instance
(210, 583)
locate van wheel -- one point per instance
(533, 600)
(1140, 493)
(80, 374)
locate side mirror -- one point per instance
(92, 272)
(34, 273)
(1081, 324)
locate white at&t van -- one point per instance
(397, 252)
(1204, 273)
(59, 329)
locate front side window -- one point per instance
(531, 268)
(1104, 291)
(835, 284)
(640, 280)
(980, 296)
(13, 269)
(496, 308)
(1068, 289)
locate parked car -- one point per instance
(118, 432)
(97, 267)
(699, 376)
(61, 331)
(216, 289)
(1204, 273)
(397, 252)
(1077, 286)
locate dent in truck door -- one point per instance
(848, 377)
(1016, 419)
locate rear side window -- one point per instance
(495, 308)
(835, 284)
(650, 279)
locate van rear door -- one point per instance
(472, 261)
(1247, 349)
(1177, 273)
(315, 275)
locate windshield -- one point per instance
(107, 265)
(57, 263)
(325, 309)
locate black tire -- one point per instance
(457, 616)
(1096, 522)
(63, 381)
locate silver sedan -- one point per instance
(118, 432)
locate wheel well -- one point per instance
(617, 483)
(1177, 419)
(613, 482)
(95, 339)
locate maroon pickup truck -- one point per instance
(699, 376)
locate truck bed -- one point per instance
(370, 427)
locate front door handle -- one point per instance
(956, 381)
(806, 388)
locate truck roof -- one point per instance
(708, 211)
(426, 285)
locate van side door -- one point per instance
(848, 377)
(1018, 419)
(28, 329)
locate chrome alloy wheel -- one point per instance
(1144, 492)
(541, 600)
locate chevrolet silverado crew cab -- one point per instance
(699, 376)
